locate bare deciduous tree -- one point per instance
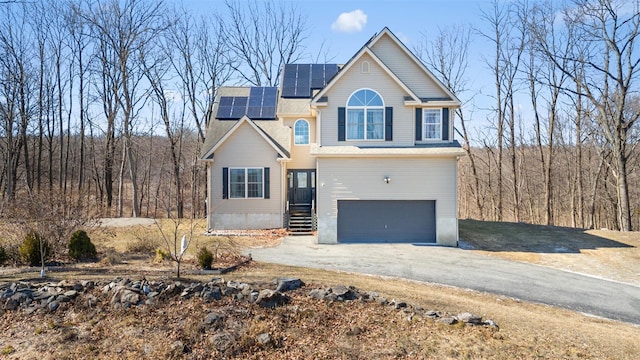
(608, 30)
(125, 31)
(264, 36)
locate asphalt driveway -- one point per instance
(465, 269)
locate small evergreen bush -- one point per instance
(81, 247)
(205, 258)
(30, 249)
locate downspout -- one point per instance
(457, 208)
(209, 198)
(318, 120)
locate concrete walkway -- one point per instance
(465, 269)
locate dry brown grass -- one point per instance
(608, 254)
(124, 238)
(526, 330)
(311, 330)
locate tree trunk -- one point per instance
(622, 191)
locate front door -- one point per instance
(302, 186)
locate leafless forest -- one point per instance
(104, 104)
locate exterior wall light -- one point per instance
(387, 179)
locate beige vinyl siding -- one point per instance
(411, 179)
(410, 73)
(392, 94)
(300, 157)
(243, 149)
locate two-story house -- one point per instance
(365, 150)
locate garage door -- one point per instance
(392, 221)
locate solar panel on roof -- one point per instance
(270, 95)
(239, 108)
(269, 102)
(303, 85)
(255, 96)
(254, 112)
(224, 107)
(317, 76)
(268, 112)
(289, 80)
(262, 103)
(329, 71)
(299, 79)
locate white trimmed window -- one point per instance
(432, 124)
(301, 132)
(365, 116)
(246, 183)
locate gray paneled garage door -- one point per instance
(393, 221)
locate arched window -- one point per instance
(301, 132)
(365, 116)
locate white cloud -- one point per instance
(350, 22)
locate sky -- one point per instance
(344, 26)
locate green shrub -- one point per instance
(205, 258)
(30, 249)
(80, 246)
(3, 255)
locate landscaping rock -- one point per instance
(431, 314)
(271, 299)
(490, 323)
(125, 296)
(343, 293)
(469, 318)
(53, 306)
(449, 320)
(71, 294)
(213, 318)
(398, 304)
(289, 284)
(11, 304)
(318, 294)
(264, 339)
(20, 297)
(124, 293)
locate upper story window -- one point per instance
(365, 116)
(431, 124)
(301, 132)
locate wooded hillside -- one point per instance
(104, 104)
